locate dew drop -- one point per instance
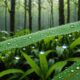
(70, 35)
(33, 47)
(60, 77)
(72, 26)
(42, 52)
(17, 58)
(72, 71)
(24, 49)
(29, 37)
(8, 43)
(64, 46)
(78, 68)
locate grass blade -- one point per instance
(10, 71)
(32, 64)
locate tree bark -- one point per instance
(61, 12)
(25, 14)
(78, 9)
(30, 15)
(5, 15)
(12, 17)
(39, 14)
(52, 19)
(68, 11)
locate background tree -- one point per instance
(78, 9)
(68, 11)
(51, 13)
(12, 17)
(30, 15)
(25, 14)
(61, 12)
(39, 14)
(5, 14)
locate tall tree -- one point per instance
(68, 11)
(30, 15)
(78, 9)
(61, 12)
(51, 13)
(12, 17)
(5, 14)
(52, 19)
(39, 14)
(25, 14)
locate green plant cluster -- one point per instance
(51, 54)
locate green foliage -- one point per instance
(35, 37)
(72, 73)
(54, 47)
(10, 71)
(43, 70)
(75, 43)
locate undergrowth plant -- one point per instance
(61, 34)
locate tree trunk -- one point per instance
(78, 9)
(61, 12)
(12, 17)
(39, 14)
(52, 19)
(68, 11)
(30, 15)
(25, 14)
(5, 15)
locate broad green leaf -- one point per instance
(26, 74)
(26, 40)
(34, 66)
(76, 59)
(57, 66)
(10, 71)
(72, 73)
(75, 43)
(43, 64)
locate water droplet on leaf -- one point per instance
(78, 67)
(72, 70)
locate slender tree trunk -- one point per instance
(25, 14)
(52, 19)
(78, 9)
(68, 11)
(39, 14)
(30, 15)
(12, 17)
(6, 15)
(61, 12)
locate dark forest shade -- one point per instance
(68, 11)
(78, 9)
(25, 14)
(12, 17)
(39, 14)
(30, 15)
(61, 12)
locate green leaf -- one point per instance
(37, 36)
(57, 66)
(43, 64)
(72, 73)
(29, 71)
(76, 59)
(59, 50)
(32, 63)
(10, 71)
(75, 43)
